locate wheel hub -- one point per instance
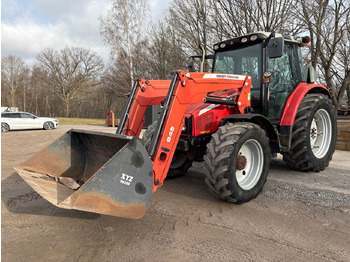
(241, 162)
(249, 165)
(313, 132)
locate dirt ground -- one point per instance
(297, 217)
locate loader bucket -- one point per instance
(93, 171)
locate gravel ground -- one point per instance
(297, 217)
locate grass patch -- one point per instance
(80, 121)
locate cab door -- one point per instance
(285, 77)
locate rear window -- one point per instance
(8, 115)
(5, 115)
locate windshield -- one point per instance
(243, 61)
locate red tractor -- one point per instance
(257, 101)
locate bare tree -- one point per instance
(69, 70)
(25, 86)
(13, 71)
(40, 96)
(123, 29)
(326, 23)
(341, 66)
(190, 21)
(116, 78)
(233, 18)
(166, 52)
(204, 22)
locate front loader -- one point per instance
(255, 103)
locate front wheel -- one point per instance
(180, 162)
(237, 162)
(314, 134)
(48, 125)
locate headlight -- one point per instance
(253, 37)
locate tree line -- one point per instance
(74, 82)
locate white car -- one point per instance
(23, 120)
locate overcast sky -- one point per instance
(29, 26)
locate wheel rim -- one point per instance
(249, 164)
(47, 125)
(4, 128)
(320, 133)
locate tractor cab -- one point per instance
(273, 61)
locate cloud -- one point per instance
(28, 27)
(54, 10)
(158, 8)
(67, 25)
(28, 37)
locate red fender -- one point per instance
(293, 102)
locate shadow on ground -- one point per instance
(19, 197)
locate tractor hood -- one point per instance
(206, 117)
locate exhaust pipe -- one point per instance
(93, 171)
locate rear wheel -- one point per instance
(180, 163)
(314, 134)
(237, 162)
(48, 125)
(5, 127)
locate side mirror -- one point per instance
(276, 47)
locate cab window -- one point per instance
(283, 80)
(243, 61)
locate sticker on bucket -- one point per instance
(126, 179)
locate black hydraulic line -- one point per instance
(126, 112)
(220, 102)
(160, 122)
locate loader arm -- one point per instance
(143, 94)
(185, 88)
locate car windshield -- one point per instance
(243, 61)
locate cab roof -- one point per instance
(250, 39)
